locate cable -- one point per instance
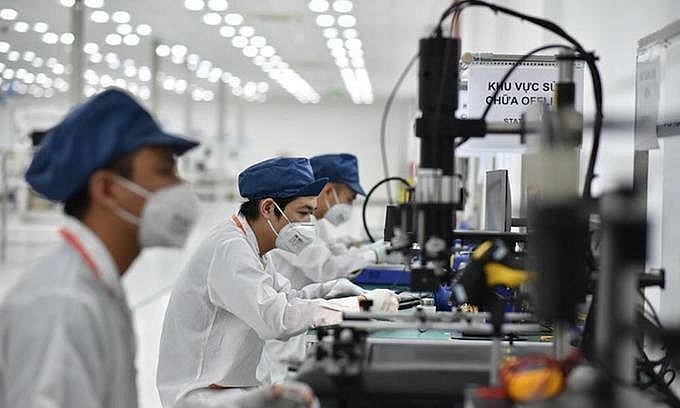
(594, 73)
(368, 196)
(383, 120)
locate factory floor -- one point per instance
(147, 283)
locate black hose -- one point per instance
(368, 196)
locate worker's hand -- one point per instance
(285, 395)
(384, 300)
(384, 255)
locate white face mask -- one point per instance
(167, 217)
(294, 236)
(339, 213)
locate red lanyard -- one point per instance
(73, 241)
(236, 221)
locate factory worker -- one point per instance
(66, 335)
(228, 300)
(327, 259)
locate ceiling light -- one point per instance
(259, 60)
(8, 14)
(338, 53)
(334, 43)
(258, 41)
(218, 5)
(193, 59)
(239, 41)
(267, 51)
(21, 73)
(67, 3)
(131, 40)
(8, 73)
(40, 27)
(120, 83)
(38, 62)
(350, 33)
(212, 19)
(194, 5)
(325, 20)
(106, 80)
(234, 81)
(342, 62)
(94, 3)
(96, 58)
(318, 6)
(110, 57)
(250, 51)
(143, 29)
(179, 50)
(144, 74)
(113, 39)
(246, 31)
(58, 69)
(99, 16)
(144, 92)
(114, 64)
(21, 26)
(50, 38)
(181, 86)
(124, 29)
(353, 44)
(168, 83)
(343, 6)
(67, 38)
(227, 31)
(347, 21)
(90, 48)
(330, 32)
(29, 56)
(4, 46)
(233, 19)
(51, 62)
(356, 53)
(358, 62)
(177, 59)
(129, 62)
(163, 50)
(120, 17)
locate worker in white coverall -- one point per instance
(228, 301)
(325, 260)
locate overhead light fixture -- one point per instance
(144, 74)
(67, 3)
(350, 33)
(90, 48)
(250, 51)
(239, 41)
(343, 6)
(121, 17)
(21, 26)
(144, 29)
(40, 27)
(330, 32)
(163, 50)
(212, 19)
(50, 38)
(37, 62)
(29, 56)
(325, 20)
(131, 40)
(99, 16)
(94, 3)
(318, 6)
(113, 39)
(227, 31)
(96, 58)
(347, 21)
(353, 44)
(124, 29)
(334, 43)
(246, 31)
(194, 5)
(179, 50)
(258, 41)
(233, 19)
(267, 51)
(218, 5)
(4, 46)
(67, 38)
(8, 14)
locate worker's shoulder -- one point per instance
(59, 276)
(224, 235)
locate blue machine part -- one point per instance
(442, 298)
(379, 275)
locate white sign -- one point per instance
(647, 103)
(528, 85)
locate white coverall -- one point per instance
(325, 260)
(222, 309)
(66, 336)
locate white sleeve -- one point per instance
(54, 353)
(320, 265)
(238, 283)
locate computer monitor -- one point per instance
(497, 204)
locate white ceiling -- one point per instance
(389, 30)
